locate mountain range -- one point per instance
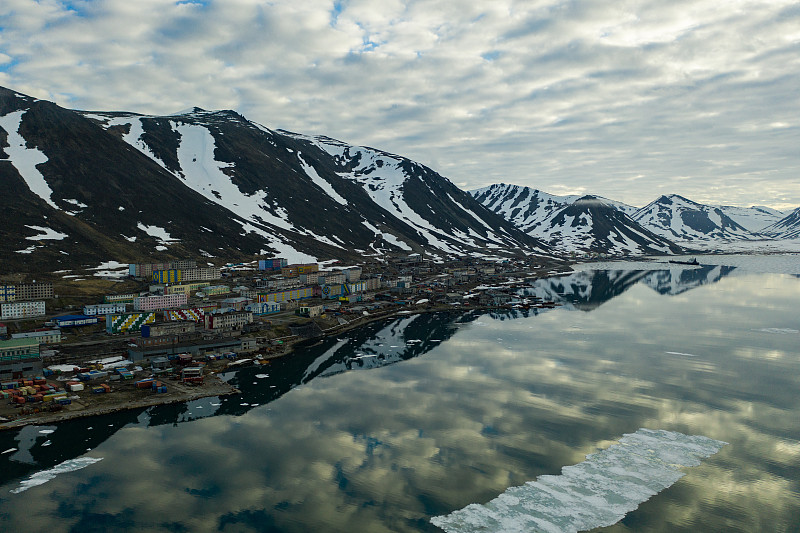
(669, 224)
(85, 188)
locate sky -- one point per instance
(628, 100)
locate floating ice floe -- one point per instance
(40, 478)
(598, 492)
(780, 331)
(681, 353)
(262, 376)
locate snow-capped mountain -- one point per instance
(86, 187)
(786, 228)
(591, 225)
(569, 224)
(677, 218)
(754, 218)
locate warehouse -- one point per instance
(158, 329)
(234, 344)
(42, 337)
(19, 357)
(71, 321)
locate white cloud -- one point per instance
(558, 96)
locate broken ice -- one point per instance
(598, 492)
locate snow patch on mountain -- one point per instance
(46, 234)
(26, 159)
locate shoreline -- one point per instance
(219, 387)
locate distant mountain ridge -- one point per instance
(665, 225)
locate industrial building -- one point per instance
(138, 353)
(47, 336)
(103, 309)
(72, 321)
(19, 357)
(157, 303)
(21, 310)
(157, 329)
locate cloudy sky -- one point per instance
(628, 99)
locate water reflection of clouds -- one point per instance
(384, 450)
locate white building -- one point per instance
(21, 310)
(103, 309)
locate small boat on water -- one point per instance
(693, 262)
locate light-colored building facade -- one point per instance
(42, 337)
(157, 303)
(229, 320)
(21, 310)
(186, 288)
(103, 309)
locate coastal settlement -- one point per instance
(72, 347)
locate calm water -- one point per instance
(420, 416)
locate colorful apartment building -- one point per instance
(284, 296)
(157, 303)
(128, 322)
(292, 271)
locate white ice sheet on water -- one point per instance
(598, 492)
(40, 478)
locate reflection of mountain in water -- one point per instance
(374, 345)
(589, 289)
(677, 281)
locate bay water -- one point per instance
(416, 417)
